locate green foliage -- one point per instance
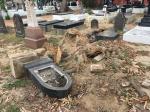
(6, 69)
(7, 17)
(2, 5)
(13, 108)
(89, 11)
(15, 84)
(11, 38)
(89, 3)
(53, 41)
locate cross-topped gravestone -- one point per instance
(119, 23)
(31, 15)
(94, 24)
(34, 35)
(18, 24)
(2, 25)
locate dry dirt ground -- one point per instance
(116, 88)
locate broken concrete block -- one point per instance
(146, 83)
(96, 67)
(144, 60)
(99, 57)
(40, 51)
(17, 62)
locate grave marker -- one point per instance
(34, 36)
(2, 25)
(94, 24)
(19, 27)
(119, 23)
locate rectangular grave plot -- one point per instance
(51, 77)
(106, 35)
(68, 24)
(51, 80)
(147, 15)
(66, 13)
(47, 26)
(144, 24)
(146, 19)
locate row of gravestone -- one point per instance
(18, 24)
(119, 22)
(20, 31)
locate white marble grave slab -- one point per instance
(77, 17)
(138, 10)
(62, 17)
(138, 35)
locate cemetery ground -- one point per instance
(120, 84)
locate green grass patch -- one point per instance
(53, 41)
(6, 69)
(16, 84)
(13, 108)
(10, 38)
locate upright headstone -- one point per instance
(119, 22)
(94, 24)
(34, 36)
(149, 7)
(18, 24)
(2, 25)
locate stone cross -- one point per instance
(31, 15)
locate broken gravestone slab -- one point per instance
(113, 33)
(17, 62)
(49, 78)
(94, 68)
(2, 25)
(94, 24)
(18, 24)
(106, 35)
(119, 22)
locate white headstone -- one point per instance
(31, 15)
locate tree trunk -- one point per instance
(64, 6)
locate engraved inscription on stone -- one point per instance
(94, 24)
(19, 27)
(119, 23)
(2, 25)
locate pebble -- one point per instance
(125, 84)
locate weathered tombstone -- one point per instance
(51, 79)
(148, 8)
(2, 25)
(113, 33)
(119, 22)
(34, 35)
(94, 24)
(18, 24)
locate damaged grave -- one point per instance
(82, 70)
(109, 34)
(49, 77)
